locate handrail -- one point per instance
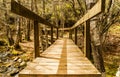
(95, 10)
(23, 11)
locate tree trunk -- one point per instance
(98, 58)
(96, 47)
(17, 46)
(27, 37)
(9, 35)
(9, 32)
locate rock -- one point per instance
(16, 58)
(9, 64)
(19, 60)
(23, 64)
(14, 72)
(118, 72)
(16, 64)
(3, 69)
(4, 59)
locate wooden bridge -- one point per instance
(63, 58)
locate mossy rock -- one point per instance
(15, 52)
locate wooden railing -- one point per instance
(94, 11)
(22, 11)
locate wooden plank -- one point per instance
(62, 59)
(97, 9)
(36, 39)
(22, 11)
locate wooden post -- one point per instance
(87, 45)
(70, 34)
(51, 35)
(36, 39)
(57, 33)
(76, 35)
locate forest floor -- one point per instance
(112, 51)
(112, 62)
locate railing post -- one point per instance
(70, 34)
(76, 35)
(57, 33)
(87, 45)
(51, 35)
(36, 39)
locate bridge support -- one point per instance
(87, 48)
(76, 35)
(36, 39)
(51, 35)
(70, 34)
(57, 33)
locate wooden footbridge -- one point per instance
(63, 58)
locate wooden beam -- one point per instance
(95, 10)
(22, 11)
(51, 35)
(76, 35)
(87, 43)
(64, 28)
(57, 33)
(70, 34)
(36, 39)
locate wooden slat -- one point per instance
(97, 9)
(22, 11)
(62, 59)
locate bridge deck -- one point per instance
(62, 59)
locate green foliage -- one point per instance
(115, 29)
(111, 69)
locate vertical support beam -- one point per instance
(57, 33)
(70, 34)
(76, 35)
(36, 39)
(87, 45)
(51, 35)
(46, 38)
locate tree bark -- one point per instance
(96, 46)
(9, 32)
(16, 45)
(27, 37)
